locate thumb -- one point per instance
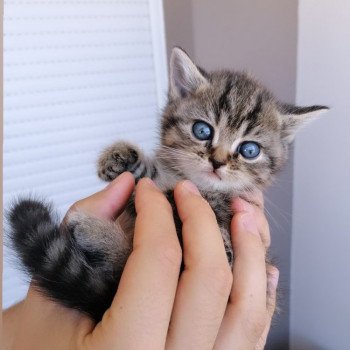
(111, 201)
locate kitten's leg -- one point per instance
(78, 264)
(103, 241)
(123, 156)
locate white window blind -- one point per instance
(78, 75)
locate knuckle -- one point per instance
(266, 241)
(164, 203)
(219, 280)
(169, 255)
(154, 201)
(161, 206)
(257, 324)
(201, 209)
(272, 269)
(74, 207)
(208, 209)
(253, 323)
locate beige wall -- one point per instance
(178, 25)
(261, 37)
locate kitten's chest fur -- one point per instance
(219, 201)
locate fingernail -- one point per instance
(190, 187)
(116, 180)
(149, 182)
(249, 223)
(240, 205)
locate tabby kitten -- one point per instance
(222, 130)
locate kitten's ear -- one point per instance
(294, 118)
(185, 76)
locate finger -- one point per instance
(205, 284)
(140, 313)
(111, 201)
(241, 205)
(246, 316)
(272, 282)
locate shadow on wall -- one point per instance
(302, 343)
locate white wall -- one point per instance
(320, 287)
(77, 77)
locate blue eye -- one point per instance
(249, 149)
(202, 131)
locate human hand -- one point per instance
(258, 305)
(151, 293)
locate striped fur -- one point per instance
(62, 263)
(79, 263)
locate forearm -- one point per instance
(10, 319)
(30, 325)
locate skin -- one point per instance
(207, 306)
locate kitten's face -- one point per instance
(223, 131)
(226, 135)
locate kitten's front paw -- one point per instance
(116, 159)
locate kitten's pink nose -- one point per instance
(218, 157)
(216, 163)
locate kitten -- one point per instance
(222, 130)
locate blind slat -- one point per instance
(78, 75)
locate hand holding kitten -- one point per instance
(222, 130)
(204, 308)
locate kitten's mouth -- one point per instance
(214, 175)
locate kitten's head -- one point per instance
(223, 130)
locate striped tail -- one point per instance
(75, 275)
